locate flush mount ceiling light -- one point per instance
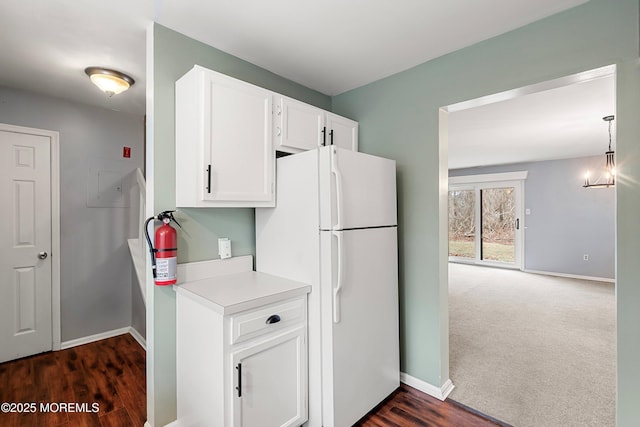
(111, 82)
(610, 168)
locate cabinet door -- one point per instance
(342, 131)
(270, 384)
(238, 153)
(298, 126)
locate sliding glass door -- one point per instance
(484, 223)
(462, 223)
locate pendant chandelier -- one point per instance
(610, 168)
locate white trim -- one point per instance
(571, 276)
(149, 207)
(104, 335)
(440, 393)
(138, 337)
(94, 338)
(56, 312)
(488, 177)
(585, 76)
(54, 183)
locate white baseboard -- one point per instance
(571, 276)
(440, 393)
(104, 335)
(138, 337)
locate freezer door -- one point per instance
(357, 190)
(360, 340)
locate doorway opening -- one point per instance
(539, 231)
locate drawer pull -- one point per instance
(274, 318)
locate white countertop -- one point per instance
(232, 293)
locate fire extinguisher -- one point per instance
(164, 257)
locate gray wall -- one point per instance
(95, 267)
(566, 220)
(138, 307)
(399, 118)
(173, 55)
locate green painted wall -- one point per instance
(399, 118)
(173, 55)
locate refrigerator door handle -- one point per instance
(338, 287)
(336, 172)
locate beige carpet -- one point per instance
(532, 350)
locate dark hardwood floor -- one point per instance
(111, 374)
(107, 376)
(410, 407)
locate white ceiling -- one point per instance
(330, 45)
(561, 122)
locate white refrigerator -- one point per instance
(335, 227)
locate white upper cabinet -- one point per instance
(342, 132)
(299, 126)
(224, 142)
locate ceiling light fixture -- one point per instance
(610, 168)
(111, 82)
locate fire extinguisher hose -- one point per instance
(152, 250)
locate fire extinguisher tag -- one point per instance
(166, 270)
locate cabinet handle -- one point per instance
(239, 386)
(272, 319)
(209, 179)
(331, 134)
(324, 136)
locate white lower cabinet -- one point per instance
(268, 380)
(244, 369)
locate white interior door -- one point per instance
(25, 242)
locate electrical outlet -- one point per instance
(585, 257)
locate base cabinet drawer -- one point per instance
(265, 320)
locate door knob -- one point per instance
(42, 255)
